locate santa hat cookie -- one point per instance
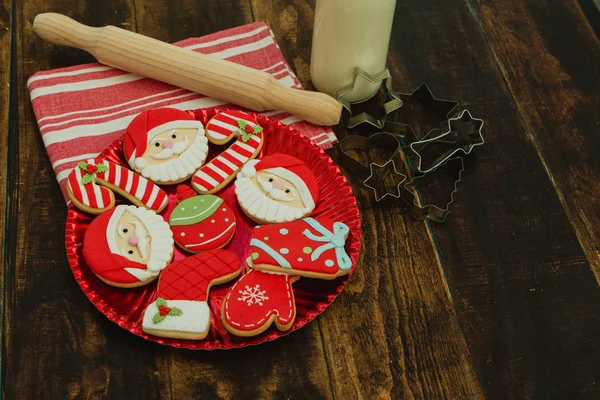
(276, 188)
(128, 246)
(202, 223)
(311, 247)
(181, 309)
(258, 300)
(165, 145)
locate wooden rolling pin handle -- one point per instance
(197, 72)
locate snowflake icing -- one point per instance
(253, 295)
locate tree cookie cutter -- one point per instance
(393, 102)
(462, 134)
(430, 211)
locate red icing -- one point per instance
(291, 246)
(214, 234)
(191, 278)
(249, 129)
(255, 298)
(163, 310)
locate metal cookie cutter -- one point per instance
(366, 172)
(430, 211)
(372, 177)
(463, 134)
(422, 95)
(389, 106)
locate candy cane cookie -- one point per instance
(92, 183)
(222, 169)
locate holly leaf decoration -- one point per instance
(175, 312)
(102, 168)
(257, 129)
(87, 178)
(246, 137)
(82, 165)
(161, 302)
(242, 124)
(158, 318)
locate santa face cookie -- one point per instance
(219, 171)
(181, 307)
(276, 188)
(128, 246)
(311, 247)
(202, 223)
(165, 145)
(258, 300)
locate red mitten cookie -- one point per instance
(165, 145)
(181, 309)
(276, 188)
(91, 184)
(128, 246)
(312, 247)
(223, 168)
(202, 223)
(256, 301)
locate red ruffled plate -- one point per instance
(126, 307)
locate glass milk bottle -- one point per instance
(348, 34)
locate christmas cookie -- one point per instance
(128, 246)
(202, 223)
(311, 247)
(91, 184)
(181, 309)
(165, 145)
(276, 188)
(223, 168)
(256, 301)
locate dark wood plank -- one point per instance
(291, 367)
(57, 344)
(522, 285)
(393, 332)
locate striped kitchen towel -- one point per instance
(81, 110)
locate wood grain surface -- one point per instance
(501, 301)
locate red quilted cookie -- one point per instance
(181, 309)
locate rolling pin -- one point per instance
(197, 72)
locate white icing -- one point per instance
(179, 168)
(161, 244)
(284, 250)
(194, 319)
(284, 231)
(213, 239)
(259, 205)
(305, 195)
(141, 274)
(111, 228)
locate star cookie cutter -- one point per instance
(432, 211)
(389, 106)
(462, 134)
(439, 107)
(357, 142)
(372, 176)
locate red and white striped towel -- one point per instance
(81, 110)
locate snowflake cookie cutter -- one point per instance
(462, 134)
(372, 176)
(432, 211)
(389, 106)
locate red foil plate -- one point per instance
(126, 307)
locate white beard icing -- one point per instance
(161, 239)
(259, 205)
(177, 149)
(275, 194)
(179, 168)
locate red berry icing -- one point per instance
(163, 310)
(249, 128)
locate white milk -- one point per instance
(350, 33)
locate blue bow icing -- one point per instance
(333, 240)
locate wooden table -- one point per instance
(499, 302)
